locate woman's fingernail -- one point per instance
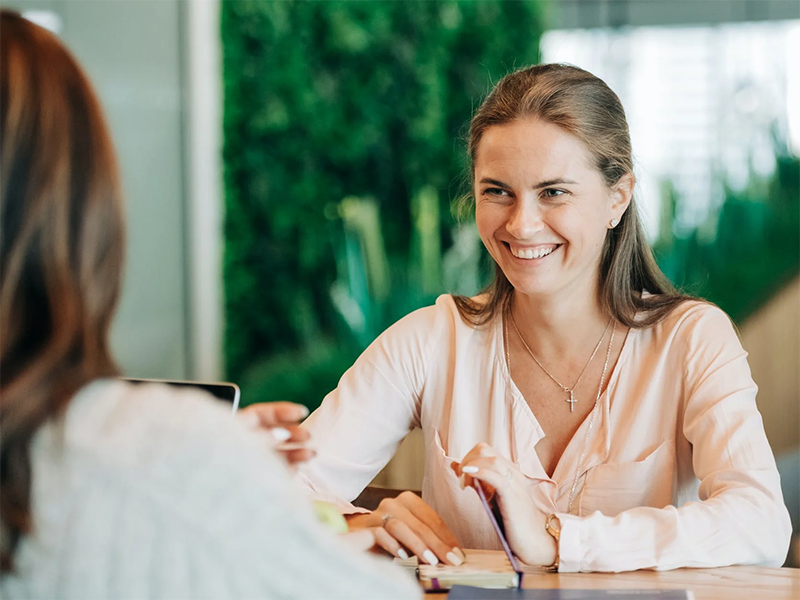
(453, 559)
(430, 557)
(280, 434)
(470, 469)
(460, 553)
(303, 411)
(402, 554)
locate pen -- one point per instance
(497, 523)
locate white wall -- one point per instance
(155, 66)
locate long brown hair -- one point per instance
(62, 247)
(585, 106)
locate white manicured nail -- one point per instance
(430, 557)
(453, 559)
(402, 554)
(470, 469)
(460, 553)
(280, 434)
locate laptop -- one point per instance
(222, 390)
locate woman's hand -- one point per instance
(524, 521)
(282, 419)
(406, 525)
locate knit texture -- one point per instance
(150, 491)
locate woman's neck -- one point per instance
(559, 329)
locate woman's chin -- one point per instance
(532, 287)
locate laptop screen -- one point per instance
(222, 390)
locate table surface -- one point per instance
(726, 583)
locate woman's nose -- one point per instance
(525, 220)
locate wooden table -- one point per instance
(726, 583)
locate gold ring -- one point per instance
(385, 518)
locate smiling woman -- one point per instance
(660, 458)
(543, 210)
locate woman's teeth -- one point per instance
(532, 252)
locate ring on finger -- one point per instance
(385, 518)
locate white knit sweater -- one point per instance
(152, 492)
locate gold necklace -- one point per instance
(569, 390)
(591, 422)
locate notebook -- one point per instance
(481, 569)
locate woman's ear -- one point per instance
(621, 195)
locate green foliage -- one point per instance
(332, 100)
(747, 250)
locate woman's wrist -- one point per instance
(553, 527)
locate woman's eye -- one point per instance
(551, 193)
(495, 192)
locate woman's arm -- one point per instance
(740, 518)
(360, 424)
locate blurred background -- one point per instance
(291, 170)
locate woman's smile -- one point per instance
(532, 253)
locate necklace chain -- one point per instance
(568, 390)
(591, 422)
(594, 408)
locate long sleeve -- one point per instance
(740, 517)
(272, 546)
(360, 424)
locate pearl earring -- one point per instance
(614, 223)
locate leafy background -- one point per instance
(344, 150)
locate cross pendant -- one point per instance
(571, 401)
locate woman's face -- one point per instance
(542, 208)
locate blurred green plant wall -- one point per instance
(746, 250)
(343, 129)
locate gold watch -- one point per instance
(556, 533)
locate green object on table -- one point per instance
(330, 516)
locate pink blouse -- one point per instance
(677, 472)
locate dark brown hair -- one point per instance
(585, 106)
(62, 247)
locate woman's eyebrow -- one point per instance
(549, 182)
(538, 186)
(496, 182)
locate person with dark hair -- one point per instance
(108, 489)
(613, 418)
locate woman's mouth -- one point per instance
(532, 252)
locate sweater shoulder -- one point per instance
(177, 450)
